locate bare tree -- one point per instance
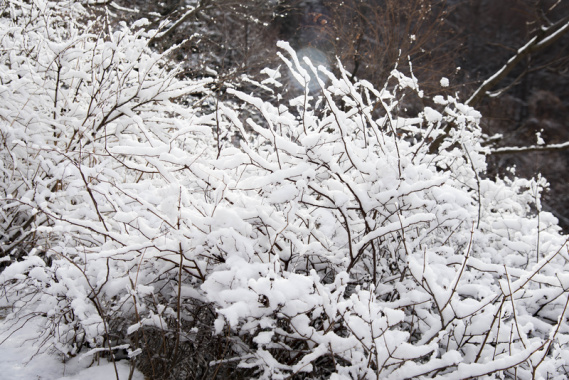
(543, 38)
(543, 34)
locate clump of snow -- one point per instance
(540, 140)
(432, 115)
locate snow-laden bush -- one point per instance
(338, 235)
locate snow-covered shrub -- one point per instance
(90, 136)
(382, 258)
(334, 236)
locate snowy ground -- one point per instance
(17, 361)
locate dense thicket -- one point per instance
(465, 41)
(309, 229)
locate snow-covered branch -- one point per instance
(530, 148)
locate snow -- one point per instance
(22, 359)
(439, 99)
(432, 115)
